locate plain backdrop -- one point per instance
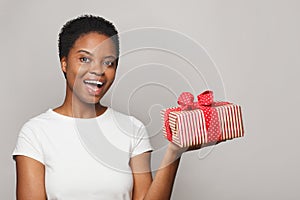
(254, 44)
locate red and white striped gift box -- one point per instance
(189, 127)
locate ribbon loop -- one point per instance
(186, 101)
(206, 98)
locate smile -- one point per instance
(94, 82)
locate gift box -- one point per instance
(202, 122)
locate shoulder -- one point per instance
(32, 138)
(122, 117)
(38, 122)
(126, 123)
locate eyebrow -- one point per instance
(89, 53)
(113, 57)
(85, 51)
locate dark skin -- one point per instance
(90, 55)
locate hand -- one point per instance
(180, 150)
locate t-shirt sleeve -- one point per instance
(141, 140)
(28, 144)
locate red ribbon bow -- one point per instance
(186, 100)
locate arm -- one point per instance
(30, 179)
(161, 186)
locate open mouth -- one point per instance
(99, 84)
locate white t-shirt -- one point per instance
(84, 158)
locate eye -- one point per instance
(84, 59)
(108, 63)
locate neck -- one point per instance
(74, 107)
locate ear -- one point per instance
(63, 64)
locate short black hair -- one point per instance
(82, 25)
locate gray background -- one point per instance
(255, 45)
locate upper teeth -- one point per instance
(93, 82)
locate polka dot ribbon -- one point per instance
(205, 103)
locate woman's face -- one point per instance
(90, 67)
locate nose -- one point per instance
(97, 69)
(96, 73)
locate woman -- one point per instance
(52, 162)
